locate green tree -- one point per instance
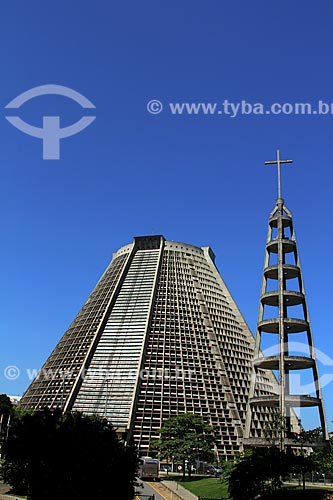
(256, 472)
(50, 455)
(301, 461)
(6, 410)
(5, 405)
(186, 437)
(276, 430)
(259, 471)
(322, 458)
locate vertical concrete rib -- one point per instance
(283, 341)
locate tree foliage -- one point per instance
(322, 458)
(6, 410)
(257, 471)
(50, 455)
(187, 438)
(5, 405)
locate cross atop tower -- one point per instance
(278, 162)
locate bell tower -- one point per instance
(283, 313)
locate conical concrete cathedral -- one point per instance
(159, 335)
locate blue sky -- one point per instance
(198, 179)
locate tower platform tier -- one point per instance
(292, 401)
(289, 272)
(292, 443)
(287, 246)
(286, 221)
(290, 362)
(291, 325)
(290, 298)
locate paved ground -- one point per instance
(170, 490)
(4, 488)
(313, 485)
(180, 490)
(148, 489)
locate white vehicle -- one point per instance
(149, 468)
